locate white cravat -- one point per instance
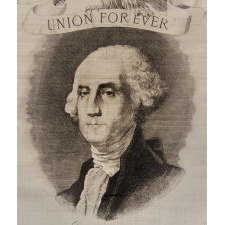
(106, 164)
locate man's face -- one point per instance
(104, 112)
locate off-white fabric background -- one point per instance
(184, 205)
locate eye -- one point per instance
(107, 92)
(83, 92)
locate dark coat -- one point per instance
(143, 175)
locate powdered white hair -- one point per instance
(141, 80)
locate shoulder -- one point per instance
(154, 176)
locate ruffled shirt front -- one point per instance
(106, 164)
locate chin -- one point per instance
(95, 139)
(95, 134)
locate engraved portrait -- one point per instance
(111, 88)
(110, 106)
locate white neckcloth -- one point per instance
(106, 164)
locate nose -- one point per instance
(94, 107)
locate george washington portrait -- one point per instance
(114, 88)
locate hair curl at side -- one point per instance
(140, 78)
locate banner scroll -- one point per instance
(48, 19)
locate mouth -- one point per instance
(94, 126)
(93, 123)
